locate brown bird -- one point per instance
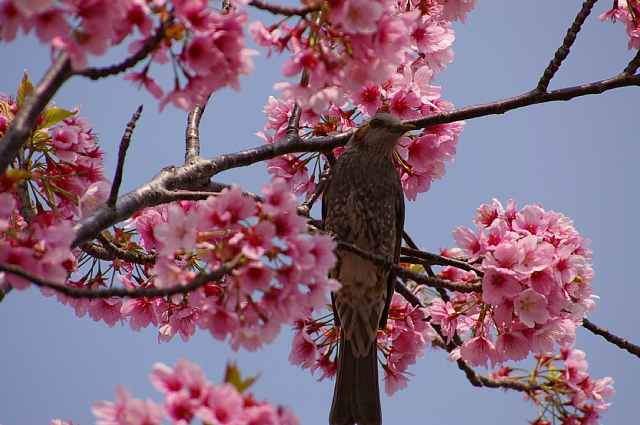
(363, 204)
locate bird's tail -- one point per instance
(356, 396)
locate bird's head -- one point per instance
(381, 133)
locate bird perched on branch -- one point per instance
(363, 204)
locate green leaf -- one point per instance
(25, 90)
(53, 116)
(232, 376)
(418, 268)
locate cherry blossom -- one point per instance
(189, 395)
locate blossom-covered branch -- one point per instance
(143, 52)
(91, 294)
(408, 274)
(159, 189)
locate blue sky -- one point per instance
(578, 158)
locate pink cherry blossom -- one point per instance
(94, 197)
(470, 242)
(369, 98)
(141, 311)
(457, 9)
(513, 346)
(394, 381)
(478, 351)
(303, 350)
(531, 307)
(30, 7)
(444, 314)
(487, 213)
(106, 309)
(143, 79)
(254, 276)
(498, 287)
(50, 24)
(222, 405)
(357, 16)
(127, 411)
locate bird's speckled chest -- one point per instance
(362, 202)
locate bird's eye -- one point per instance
(374, 123)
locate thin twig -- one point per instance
(192, 133)
(23, 123)
(409, 240)
(633, 66)
(527, 99)
(407, 294)
(419, 278)
(97, 251)
(147, 48)
(614, 339)
(439, 260)
(283, 10)
(565, 48)
(122, 153)
(293, 125)
(5, 288)
(306, 206)
(73, 292)
(126, 255)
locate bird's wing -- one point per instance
(391, 283)
(336, 319)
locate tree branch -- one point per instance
(147, 48)
(305, 208)
(614, 339)
(527, 99)
(5, 288)
(565, 48)
(183, 177)
(151, 194)
(419, 278)
(439, 260)
(283, 10)
(633, 66)
(192, 133)
(122, 153)
(126, 255)
(200, 280)
(476, 379)
(23, 123)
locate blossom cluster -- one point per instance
(627, 12)
(399, 344)
(56, 182)
(535, 271)
(563, 389)
(189, 397)
(279, 270)
(212, 52)
(362, 57)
